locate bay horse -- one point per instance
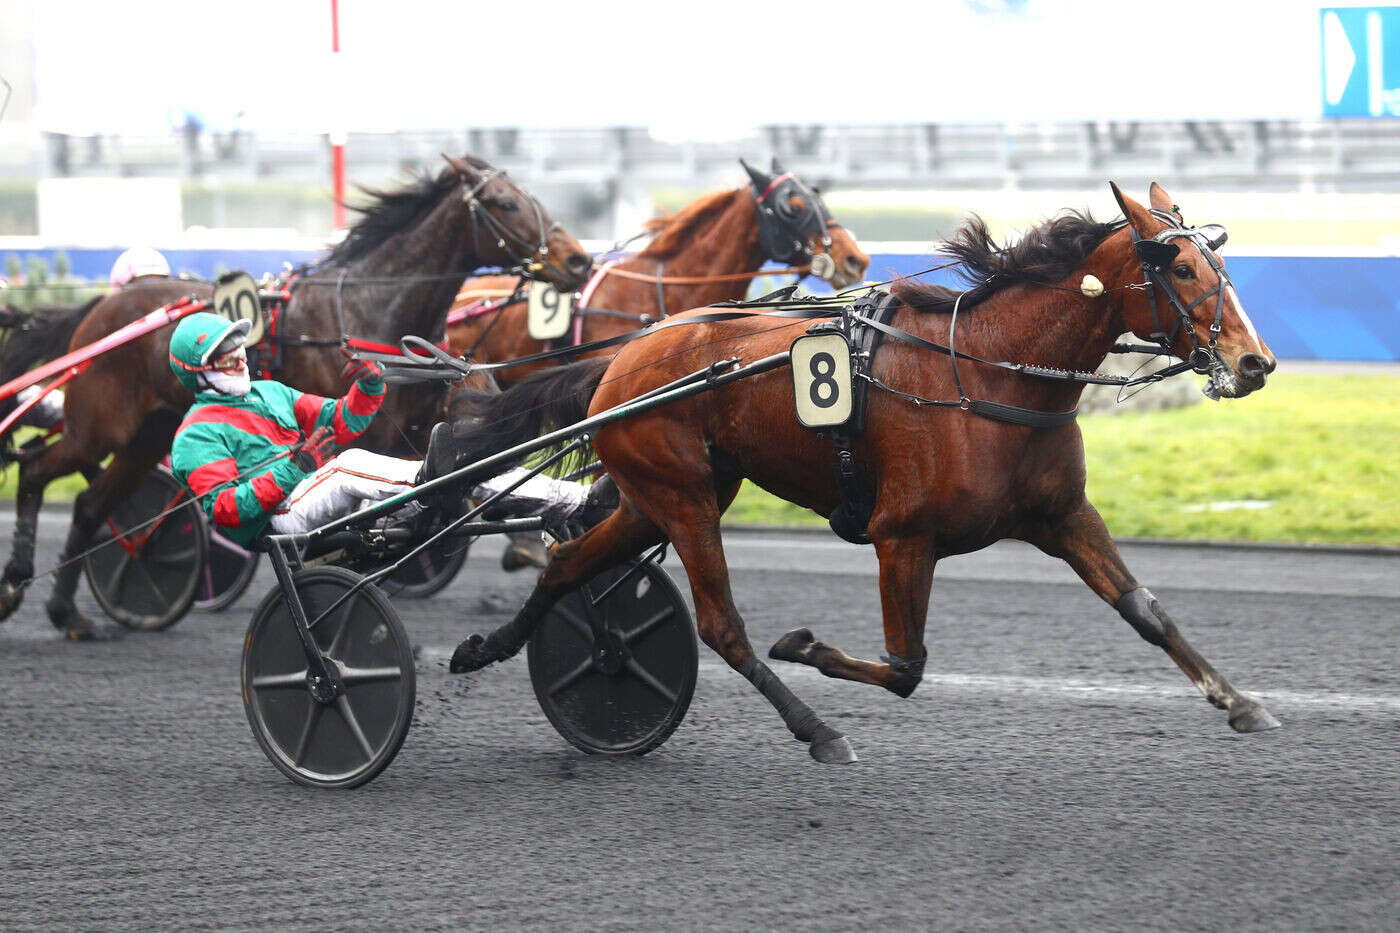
(394, 274)
(712, 246)
(946, 481)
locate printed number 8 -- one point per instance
(822, 365)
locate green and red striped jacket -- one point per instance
(223, 436)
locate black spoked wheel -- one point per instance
(623, 694)
(428, 571)
(347, 742)
(147, 578)
(227, 573)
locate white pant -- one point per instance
(48, 413)
(356, 476)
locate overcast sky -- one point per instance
(704, 71)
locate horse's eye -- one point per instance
(1184, 272)
(509, 206)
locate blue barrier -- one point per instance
(1306, 307)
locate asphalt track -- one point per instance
(1053, 770)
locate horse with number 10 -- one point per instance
(945, 479)
(394, 274)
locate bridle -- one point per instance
(785, 234)
(529, 259)
(1157, 254)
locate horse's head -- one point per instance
(510, 228)
(795, 227)
(1190, 304)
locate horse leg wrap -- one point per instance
(1145, 615)
(505, 642)
(21, 565)
(806, 725)
(907, 673)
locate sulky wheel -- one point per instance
(227, 573)
(146, 576)
(428, 571)
(626, 693)
(348, 741)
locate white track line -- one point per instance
(1014, 685)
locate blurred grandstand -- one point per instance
(589, 175)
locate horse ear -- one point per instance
(760, 180)
(459, 166)
(1137, 214)
(777, 167)
(1160, 199)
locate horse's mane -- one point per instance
(661, 221)
(391, 212)
(1046, 253)
(676, 229)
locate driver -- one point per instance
(258, 453)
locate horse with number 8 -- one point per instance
(946, 479)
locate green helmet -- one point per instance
(200, 338)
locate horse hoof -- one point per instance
(90, 632)
(792, 646)
(10, 598)
(1251, 716)
(834, 751)
(525, 553)
(471, 655)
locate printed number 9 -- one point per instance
(549, 300)
(824, 391)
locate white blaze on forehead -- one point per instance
(1248, 324)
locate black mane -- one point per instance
(1046, 253)
(392, 212)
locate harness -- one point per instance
(1157, 254)
(785, 233)
(529, 262)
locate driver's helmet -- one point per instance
(199, 342)
(136, 262)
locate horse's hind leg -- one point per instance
(693, 526)
(63, 457)
(621, 535)
(1083, 541)
(906, 575)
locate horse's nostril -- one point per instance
(1254, 366)
(578, 262)
(855, 265)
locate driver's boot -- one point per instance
(439, 460)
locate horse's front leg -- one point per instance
(1083, 541)
(906, 576)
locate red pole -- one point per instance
(337, 135)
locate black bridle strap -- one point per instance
(479, 214)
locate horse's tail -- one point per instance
(542, 402)
(34, 337)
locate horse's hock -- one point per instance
(1169, 393)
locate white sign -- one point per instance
(109, 211)
(549, 312)
(821, 380)
(236, 298)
